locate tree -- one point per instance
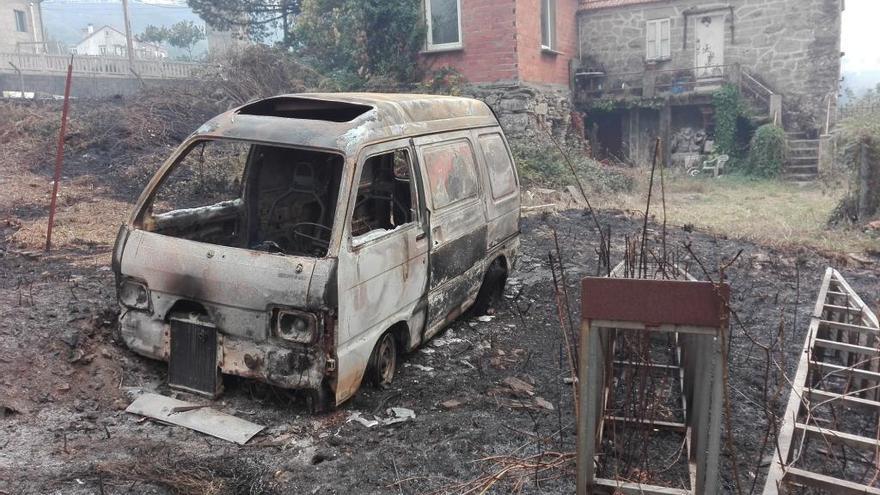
(260, 18)
(359, 40)
(153, 34)
(183, 34)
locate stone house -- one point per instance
(111, 42)
(652, 66)
(21, 27)
(514, 54)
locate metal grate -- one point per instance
(193, 362)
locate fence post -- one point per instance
(867, 205)
(59, 154)
(776, 109)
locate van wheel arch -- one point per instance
(494, 280)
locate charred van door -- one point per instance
(382, 274)
(502, 192)
(457, 225)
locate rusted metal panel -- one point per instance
(653, 302)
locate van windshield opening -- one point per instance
(252, 196)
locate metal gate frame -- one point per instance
(842, 327)
(697, 314)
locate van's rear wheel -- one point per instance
(492, 288)
(384, 361)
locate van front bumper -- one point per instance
(282, 365)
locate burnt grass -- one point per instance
(65, 379)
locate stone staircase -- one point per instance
(802, 158)
(802, 155)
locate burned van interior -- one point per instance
(266, 198)
(385, 198)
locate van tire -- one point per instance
(383, 362)
(492, 289)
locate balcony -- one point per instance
(591, 85)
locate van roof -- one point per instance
(345, 121)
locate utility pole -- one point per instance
(128, 39)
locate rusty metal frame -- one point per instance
(696, 314)
(842, 330)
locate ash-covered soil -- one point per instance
(65, 380)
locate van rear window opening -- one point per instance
(253, 196)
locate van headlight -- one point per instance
(296, 326)
(134, 295)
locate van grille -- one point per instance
(193, 362)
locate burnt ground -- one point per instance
(65, 380)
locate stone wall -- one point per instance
(84, 86)
(791, 45)
(527, 111)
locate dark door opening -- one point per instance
(606, 134)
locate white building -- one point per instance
(21, 26)
(110, 42)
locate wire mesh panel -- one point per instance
(650, 383)
(828, 441)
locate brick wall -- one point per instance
(488, 52)
(792, 45)
(537, 66)
(502, 43)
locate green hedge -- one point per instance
(766, 152)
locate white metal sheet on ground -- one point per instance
(202, 419)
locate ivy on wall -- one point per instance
(729, 108)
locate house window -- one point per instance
(548, 24)
(103, 49)
(444, 24)
(658, 39)
(20, 21)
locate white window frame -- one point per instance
(658, 42)
(430, 46)
(550, 26)
(20, 20)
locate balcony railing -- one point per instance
(30, 63)
(650, 83)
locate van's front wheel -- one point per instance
(384, 362)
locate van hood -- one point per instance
(225, 276)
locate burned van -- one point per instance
(307, 240)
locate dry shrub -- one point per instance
(258, 71)
(190, 476)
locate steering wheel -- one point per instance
(297, 233)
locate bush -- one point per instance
(766, 152)
(544, 165)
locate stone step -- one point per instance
(803, 159)
(800, 177)
(800, 169)
(804, 142)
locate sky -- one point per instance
(860, 35)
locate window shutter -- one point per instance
(664, 38)
(651, 40)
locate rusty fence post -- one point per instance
(59, 154)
